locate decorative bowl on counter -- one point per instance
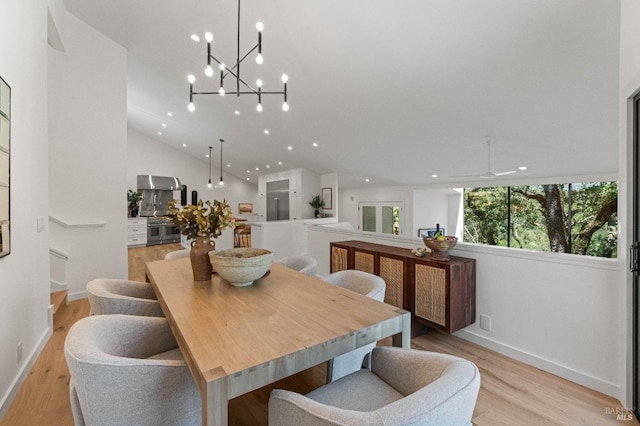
(440, 247)
(241, 266)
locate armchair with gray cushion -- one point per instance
(113, 296)
(371, 286)
(404, 387)
(301, 263)
(128, 370)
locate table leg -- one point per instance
(215, 404)
(403, 339)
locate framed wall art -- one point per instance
(429, 232)
(5, 156)
(327, 198)
(245, 208)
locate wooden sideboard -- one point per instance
(439, 294)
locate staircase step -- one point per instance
(58, 299)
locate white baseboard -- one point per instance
(559, 370)
(77, 296)
(24, 370)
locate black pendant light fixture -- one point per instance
(221, 183)
(209, 185)
(235, 72)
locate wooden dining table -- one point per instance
(238, 339)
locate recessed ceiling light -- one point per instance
(367, 180)
(434, 176)
(184, 145)
(170, 114)
(248, 179)
(160, 133)
(290, 148)
(164, 124)
(207, 155)
(315, 144)
(522, 168)
(267, 166)
(266, 131)
(195, 37)
(228, 165)
(257, 169)
(248, 171)
(237, 112)
(279, 163)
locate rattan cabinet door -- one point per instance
(392, 271)
(364, 261)
(431, 293)
(339, 258)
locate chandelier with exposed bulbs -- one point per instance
(241, 86)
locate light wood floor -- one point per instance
(511, 393)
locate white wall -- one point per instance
(146, 156)
(629, 86)
(87, 141)
(557, 312)
(431, 208)
(24, 274)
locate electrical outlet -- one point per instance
(19, 352)
(485, 322)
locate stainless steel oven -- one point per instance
(161, 230)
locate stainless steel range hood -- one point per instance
(165, 183)
(156, 191)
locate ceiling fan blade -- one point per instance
(489, 174)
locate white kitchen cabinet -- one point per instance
(137, 231)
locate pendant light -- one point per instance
(221, 183)
(233, 71)
(209, 185)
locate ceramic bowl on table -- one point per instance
(241, 266)
(440, 248)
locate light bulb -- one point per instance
(191, 78)
(259, 26)
(285, 106)
(221, 91)
(259, 83)
(259, 108)
(195, 37)
(222, 67)
(209, 185)
(259, 59)
(208, 36)
(221, 183)
(208, 71)
(285, 78)
(191, 107)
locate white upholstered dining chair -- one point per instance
(177, 254)
(114, 296)
(301, 263)
(403, 387)
(128, 370)
(371, 286)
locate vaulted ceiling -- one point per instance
(390, 91)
